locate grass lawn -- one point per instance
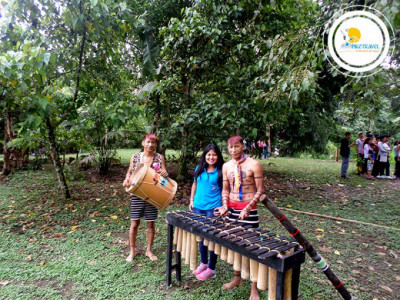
(51, 248)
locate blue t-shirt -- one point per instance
(208, 192)
(370, 151)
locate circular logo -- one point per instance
(358, 41)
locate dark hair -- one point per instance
(367, 140)
(203, 164)
(347, 133)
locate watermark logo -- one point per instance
(358, 41)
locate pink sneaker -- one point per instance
(200, 269)
(206, 274)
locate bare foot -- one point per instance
(151, 255)
(131, 256)
(237, 281)
(254, 295)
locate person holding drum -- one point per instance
(139, 207)
(242, 189)
(204, 198)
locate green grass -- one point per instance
(44, 256)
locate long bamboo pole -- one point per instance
(295, 232)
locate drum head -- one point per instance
(137, 174)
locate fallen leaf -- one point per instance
(325, 249)
(309, 188)
(108, 234)
(114, 217)
(386, 288)
(337, 252)
(397, 278)
(75, 227)
(356, 272)
(42, 263)
(98, 199)
(29, 257)
(4, 282)
(372, 269)
(320, 230)
(93, 220)
(92, 262)
(74, 210)
(289, 206)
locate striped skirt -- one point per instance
(234, 211)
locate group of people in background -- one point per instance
(374, 152)
(260, 149)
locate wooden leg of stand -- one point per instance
(295, 282)
(169, 253)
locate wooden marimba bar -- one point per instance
(259, 254)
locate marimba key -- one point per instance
(205, 243)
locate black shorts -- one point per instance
(141, 208)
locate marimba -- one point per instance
(260, 255)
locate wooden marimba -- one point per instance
(261, 256)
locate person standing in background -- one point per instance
(345, 154)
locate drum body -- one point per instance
(149, 185)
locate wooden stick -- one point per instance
(338, 218)
(295, 232)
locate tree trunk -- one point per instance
(8, 136)
(56, 159)
(184, 159)
(154, 126)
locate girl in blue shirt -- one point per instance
(205, 196)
